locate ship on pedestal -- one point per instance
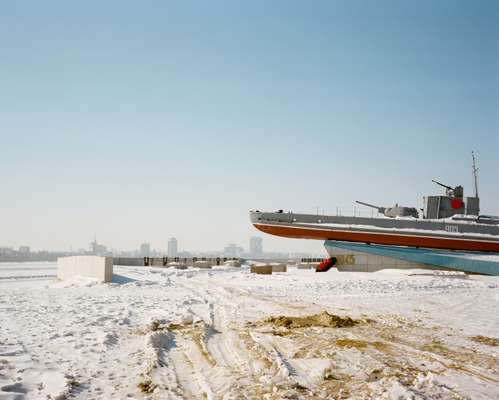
(447, 222)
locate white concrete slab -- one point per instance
(100, 268)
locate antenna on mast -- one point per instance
(475, 170)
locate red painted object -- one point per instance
(456, 203)
(326, 265)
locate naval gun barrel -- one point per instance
(380, 209)
(441, 184)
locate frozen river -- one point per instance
(174, 334)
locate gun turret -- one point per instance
(441, 184)
(393, 212)
(380, 209)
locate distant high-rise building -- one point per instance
(145, 249)
(172, 247)
(256, 246)
(233, 250)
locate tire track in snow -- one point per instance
(252, 367)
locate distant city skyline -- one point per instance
(130, 119)
(255, 251)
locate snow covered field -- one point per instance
(171, 334)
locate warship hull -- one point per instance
(446, 234)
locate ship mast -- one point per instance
(475, 170)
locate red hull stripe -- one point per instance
(380, 238)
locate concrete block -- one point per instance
(202, 264)
(304, 266)
(276, 267)
(100, 268)
(261, 269)
(233, 263)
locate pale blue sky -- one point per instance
(142, 120)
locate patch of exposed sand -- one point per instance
(489, 341)
(323, 319)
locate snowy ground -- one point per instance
(170, 334)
